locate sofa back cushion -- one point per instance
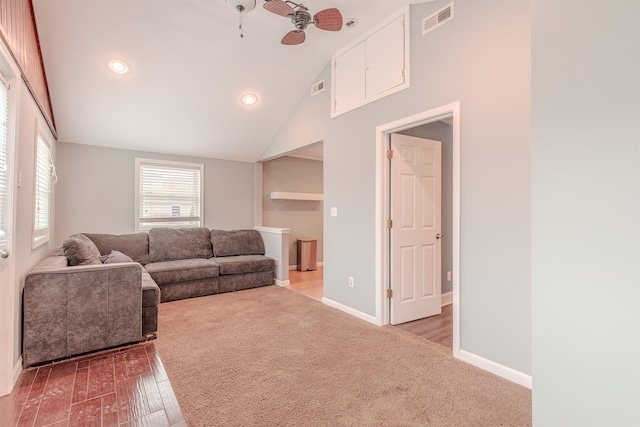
(80, 250)
(136, 245)
(169, 244)
(236, 242)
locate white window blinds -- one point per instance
(4, 168)
(42, 191)
(169, 194)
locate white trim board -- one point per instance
(294, 267)
(497, 369)
(351, 311)
(284, 283)
(449, 111)
(17, 370)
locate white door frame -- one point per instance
(382, 209)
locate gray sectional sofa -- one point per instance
(103, 290)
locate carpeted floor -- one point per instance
(272, 357)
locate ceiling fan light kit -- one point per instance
(242, 6)
(328, 19)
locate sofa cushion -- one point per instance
(150, 290)
(243, 264)
(165, 272)
(168, 244)
(236, 242)
(80, 250)
(136, 245)
(115, 257)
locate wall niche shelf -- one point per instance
(285, 195)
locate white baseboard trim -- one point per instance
(17, 370)
(281, 282)
(351, 311)
(294, 267)
(447, 298)
(497, 369)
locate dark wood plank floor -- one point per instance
(121, 387)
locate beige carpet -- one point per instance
(273, 357)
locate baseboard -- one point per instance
(17, 370)
(349, 310)
(447, 298)
(294, 267)
(281, 282)
(497, 369)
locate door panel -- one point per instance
(415, 210)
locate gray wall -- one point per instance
(482, 59)
(442, 132)
(304, 218)
(25, 257)
(96, 190)
(586, 213)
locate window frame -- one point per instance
(156, 162)
(40, 236)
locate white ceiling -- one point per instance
(189, 68)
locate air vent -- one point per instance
(433, 21)
(317, 88)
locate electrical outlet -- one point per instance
(334, 211)
(351, 282)
(448, 276)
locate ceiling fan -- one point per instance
(327, 19)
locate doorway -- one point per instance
(450, 114)
(292, 198)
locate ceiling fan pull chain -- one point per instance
(240, 10)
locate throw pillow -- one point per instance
(80, 250)
(115, 257)
(236, 242)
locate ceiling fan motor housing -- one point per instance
(301, 19)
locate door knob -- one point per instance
(4, 253)
(439, 236)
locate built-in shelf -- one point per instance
(285, 195)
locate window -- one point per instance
(4, 161)
(43, 180)
(168, 194)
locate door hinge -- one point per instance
(389, 293)
(389, 223)
(389, 154)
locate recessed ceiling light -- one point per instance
(118, 66)
(249, 99)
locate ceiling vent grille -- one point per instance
(438, 18)
(317, 88)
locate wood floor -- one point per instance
(438, 329)
(307, 282)
(122, 387)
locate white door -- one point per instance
(7, 260)
(415, 230)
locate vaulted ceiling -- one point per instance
(188, 70)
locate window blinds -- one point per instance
(169, 195)
(42, 191)
(4, 169)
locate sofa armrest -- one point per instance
(74, 310)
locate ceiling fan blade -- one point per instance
(279, 7)
(328, 19)
(293, 37)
